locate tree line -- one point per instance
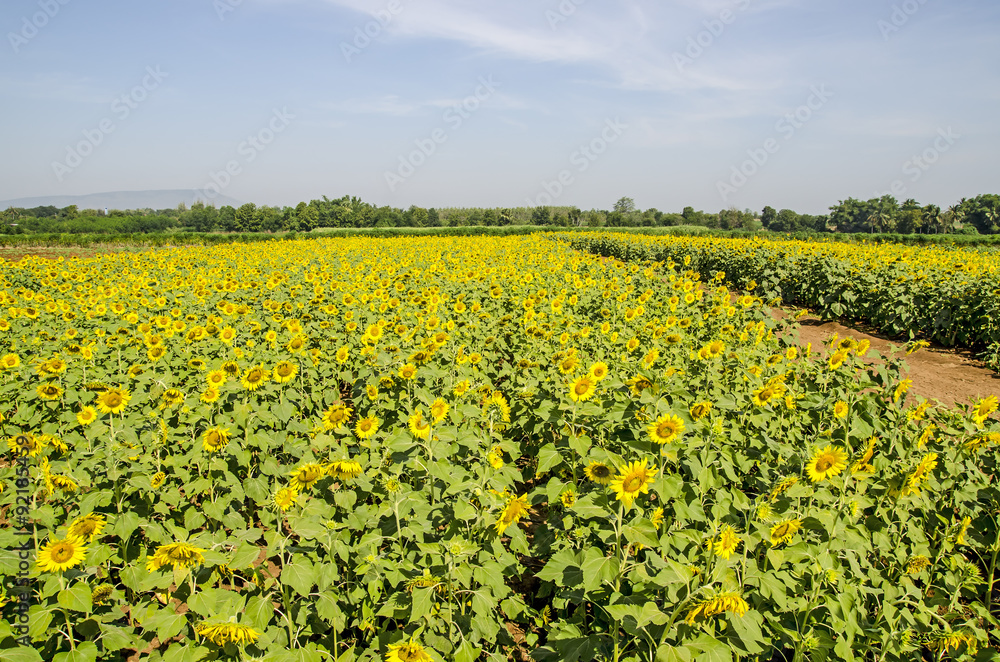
(977, 215)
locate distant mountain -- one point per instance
(123, 200)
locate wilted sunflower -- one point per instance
(826, 463)
(172, 397)
(60, 555)
(87, 527)
(177, 555)
(631, 481)
(665, 429)
(113, 401)
(157, 480)
(700, 410)
(215, 439)
(345, 469)
(101, 594)
(307, 475)
(232, 632)
(64, 483)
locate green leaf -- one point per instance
(597, 569)
(76, 598)
(548, 457)
(467, 652)
(642, 532)
(711, 649)
(20, 654)
(423, 604)
(299, 576)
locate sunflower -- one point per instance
(177, 555)
(101, 594)
(231, 369)
(837, 359)
(286, 497)
(86, 416)
(730, 601)
(921, 474)
(665, 429)
(210, 395)
(418, 426)
(631, 481)
(762, 396)
(157, 480)
(113, 401)
(700, 410)
(25, 444)
(599, 472)
(307, 475)
(657, 518)
(583, 388)
(48, 391)
(727, 542)
(87, 527)
(599, 370)
(60, 555)
(439, 409)
(862, 465)
(568, 498)
(336, 416)
(826, 463)
(495, 457)
(409, 651)
(284, 372)
(841, 409)
(10, 361)
(983, 409)
(461, 388)
(784, 531)
(172, 397)
(254, 377)
(408, 371)
(215, 439)
(496, 405)
(638, 384)
(345, 469)
(367, 427)
(222, 633)
(64, 483)
(516, 508)
(216, 378)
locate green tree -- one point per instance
(767, 217)
(246, 218)
(625, 206)
(541, 216)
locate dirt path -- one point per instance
(938, 373)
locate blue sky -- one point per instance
(709, 103)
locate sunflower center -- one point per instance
(113, 399)
(62, 552)
(581, 388)
(665, 429)
(602, 472)
(824, 463)
(632, 483)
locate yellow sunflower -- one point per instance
(86, 416)
(727, 542)
(599, 472)
(284, 372)
(367, 427)
(87, 527)
(439, 409)
(286, 497)
(583, 388)
(599, 370)
(516, 508)
(176, 555)
(409, 651)
(48, 391)
(113, 401)
(60, 555)
(631, 481)
(307, 475)
(222, 633)
(215, 439)
(254, 377)
(784, 531)
(665, 429)
(420, 428)
(826, 463)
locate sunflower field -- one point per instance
(469, 448)
(948, 294)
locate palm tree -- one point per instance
(957, 215)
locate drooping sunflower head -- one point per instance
(176, 554)
(25, 444)
(101, 594)
(172, 397)
(700, 410)
(157, 480)
(231, 368)
(285, 498)
(307, 475)
(784, 531)
(231, 632)
(48, 391)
